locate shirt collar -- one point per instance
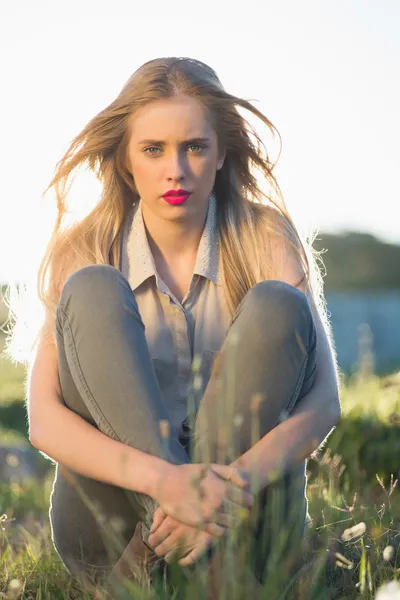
(140, 259)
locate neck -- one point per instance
(170, 241)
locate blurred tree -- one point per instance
(359, 261)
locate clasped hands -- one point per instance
(197, 504)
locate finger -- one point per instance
(178, 552)
(228, 515)
(226, 520)
(176, 543)
(173, 556)
(159, 516)
(180, 549)
(194, 554)
(239, 496)
(214, 529)
(163, 531)
(231, 474)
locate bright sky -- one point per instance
(327, 74)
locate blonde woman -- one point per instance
(185, 334)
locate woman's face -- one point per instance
(174, 158)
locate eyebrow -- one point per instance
(162, 143)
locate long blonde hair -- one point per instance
(247, 216)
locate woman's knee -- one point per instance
(91, 281)
(94, 289)
(278, 307)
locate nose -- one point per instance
(176, 166)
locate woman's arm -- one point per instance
(69, 440)
(73, 442)
(315, 415)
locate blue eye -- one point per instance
(150, 148)
(156, 148)
(197, 145)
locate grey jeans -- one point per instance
(107, 377)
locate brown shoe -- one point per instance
(137, 563)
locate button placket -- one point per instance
(178, 315)
(183, 351)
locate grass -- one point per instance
(353, 547)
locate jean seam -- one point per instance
(95, 566)
(312, 342)
(312, 372)
(82, 380)
(58, 326)
(300, 379)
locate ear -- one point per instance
(221, 161)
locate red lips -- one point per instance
(176, 198)
(179, 192)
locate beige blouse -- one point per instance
(178, 331)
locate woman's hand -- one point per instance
(203, 495)
(171, 538)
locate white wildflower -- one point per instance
(14, 589)
(238, 420)
(353, 532)
(389, 591)
(12, 460)
(388, 553)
